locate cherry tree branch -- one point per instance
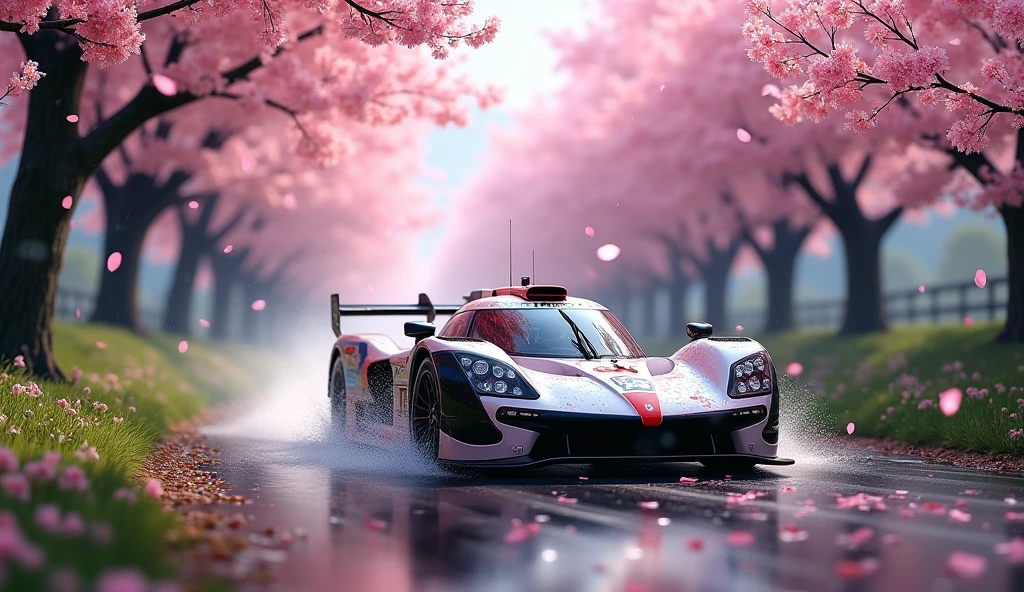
(65, 25)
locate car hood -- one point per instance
(586, 386)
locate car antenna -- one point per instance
(534, 267)
(509, 251)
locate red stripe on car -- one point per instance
(647, 405)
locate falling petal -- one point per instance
(289, 202)
(259, 305)
(955, 41)
(78, 313)
(246, 163)
(949, 401)
(204, 323)
(740, 538)
(67, 202)
(182, 347)
(165, 85)
(72, 118)
(980, 278)
(589, 230)
(101, 345)
(113, 261)
(228, 249)
(966, 565)
(743, 135)
(968, 321)
(849, 428)
(193, 205)
(920, 289)
(72, 223)
(795, 369)
(662, 89)
(608, 252)
(771, 90)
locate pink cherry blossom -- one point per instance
(980, 278)
(259, 305)
(608, 252)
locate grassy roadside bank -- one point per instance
(72, 515)
(888, 384)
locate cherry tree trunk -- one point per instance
(178, 309)
(225, 280)
(32, 250)
(780, 267)
(865, 309)
(117, 303)
(1013, 330)
(679, 292)
(716, 283)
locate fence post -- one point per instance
(992, 301)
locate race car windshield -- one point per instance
(545, 333)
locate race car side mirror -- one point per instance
(697, 330)
(419, 330)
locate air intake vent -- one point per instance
(546, 293)
(729, 339)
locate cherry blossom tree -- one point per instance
(321, 60)
(898, 61)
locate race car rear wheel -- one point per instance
(425, 416)
(337, 393)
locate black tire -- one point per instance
(729, 465)
(425, 411)
(337, 392)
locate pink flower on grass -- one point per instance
(102, 407)
(118, 420)
(125, 495)
(19, 361)
(48, 518)
(153, 488)
(8, 461)
(73, 525)
(71, 411)
(73, 478)
(15, 485)
(62, 402)
(131, 408)
(87, 454)
(52, 458)
(122, 580)
(39, 471)
(966, 565)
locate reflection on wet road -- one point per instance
(374, 521)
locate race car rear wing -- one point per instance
(423, 307)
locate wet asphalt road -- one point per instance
(375, 521)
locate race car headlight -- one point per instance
(495, 379)
(628, 383)
(751, 376)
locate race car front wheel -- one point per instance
(426, 411)
(337, 393)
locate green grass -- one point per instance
(860, 378)
(145, 383)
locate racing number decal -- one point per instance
(647, 405)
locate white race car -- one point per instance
(526, 375)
